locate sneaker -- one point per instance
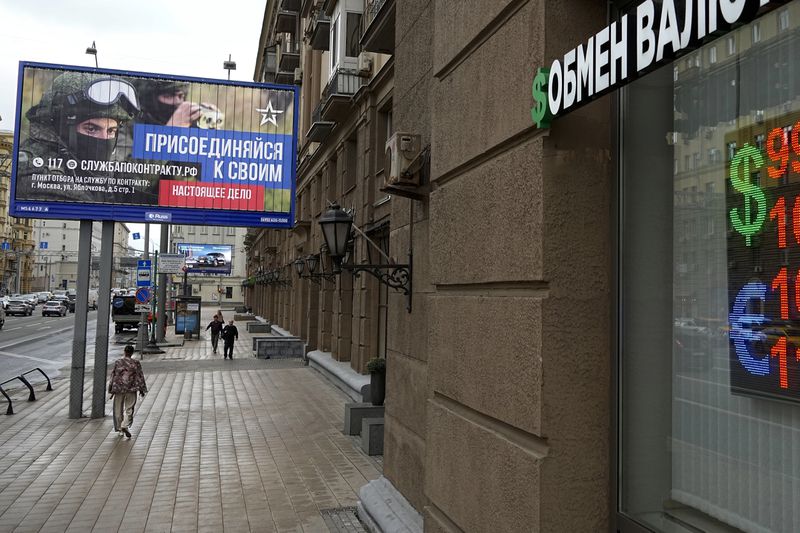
(126, 432)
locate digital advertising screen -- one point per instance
(763, 241)
(207, 258)
(114, 145)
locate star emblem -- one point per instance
(269, 114)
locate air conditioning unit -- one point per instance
(672, 138)
(298, 76)
(401, 150)
(364, 63)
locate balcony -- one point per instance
(286, 21)
(270, 65)
(319, 31)
(379, 33)
(288, 56)
(289, 5)
(336, 97)
(320, 129)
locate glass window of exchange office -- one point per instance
(709, 287)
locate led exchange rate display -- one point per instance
(763, 211)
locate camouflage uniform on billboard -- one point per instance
(76, 120)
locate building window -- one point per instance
(352, 45)
(712, 55)
(350, 170)
(334, 49)
(231, 231)
(190, 230)
(783, 20)
(709, 386)
(215, 230)
(756, 33)
(203, 230)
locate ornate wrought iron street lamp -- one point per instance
(338, 231)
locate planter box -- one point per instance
(243, 318)
(280, 348)
(259, 327)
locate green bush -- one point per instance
(376, 366)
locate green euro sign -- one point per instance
(540, 112)
(742, 218)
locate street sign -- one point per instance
(142, 308)
(143, 295)
(6, 246)
(142, 278)
(43, 245)
(136, 236)
(143, 273)
(171, 263)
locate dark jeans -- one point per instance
(214, 341)
(228, 349)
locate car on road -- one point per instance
(18, 306)
(54, 308)
(43, 296)
(32, 299)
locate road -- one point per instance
(30, 341)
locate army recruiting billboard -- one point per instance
(113, 145)
(207, 258)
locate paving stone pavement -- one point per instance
(241, 445)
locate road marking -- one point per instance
(11, 329)
(20, 356)
(45, 327)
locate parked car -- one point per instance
(54, 308)
(18, 306)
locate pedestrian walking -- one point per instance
(126, 380)
(229, 334)
(215, 326)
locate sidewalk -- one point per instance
(242, 445)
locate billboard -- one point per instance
(115, 145)
(207, 258)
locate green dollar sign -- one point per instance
(745, 223)
(540, 112)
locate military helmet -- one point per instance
(148, 88)
(78, 96)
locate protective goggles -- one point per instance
(107, 92)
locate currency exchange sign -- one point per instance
(224, 156)
(763, 259)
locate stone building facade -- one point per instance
(498, 380)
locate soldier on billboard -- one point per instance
(77, 119)
(164, 102)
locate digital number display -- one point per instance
(763, 212)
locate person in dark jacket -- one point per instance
(216, 328)
(229, 334)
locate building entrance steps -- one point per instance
(218, 445)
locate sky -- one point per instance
(190, 38)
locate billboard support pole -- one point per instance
(81, 311)
(141, 338)
(161, 300)
(103, 312)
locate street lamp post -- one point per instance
(92, 51)
(229, 65)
